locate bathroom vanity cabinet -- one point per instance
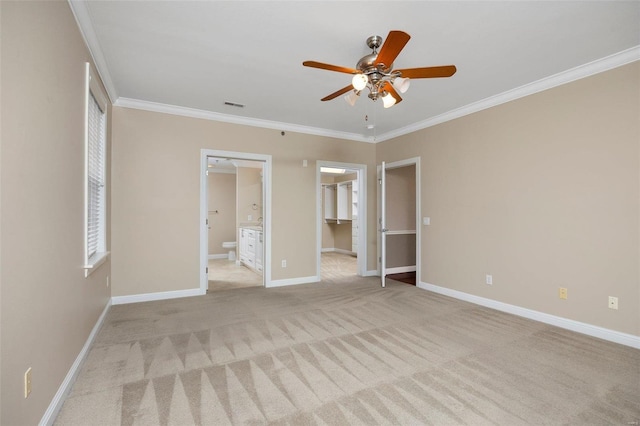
(251, 248)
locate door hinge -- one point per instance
(207, 220)
(206, 269)
(206, 172)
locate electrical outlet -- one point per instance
(562, 293)
(108, 281)
(489, 279)
(284, 263)
(249, 217)
(27, 382)
(613, 302)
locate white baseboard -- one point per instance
(401, 269)
(148, 297)
(56, 403)
(337, 250)
(218, 256)
(343, 251)
(294, 281)
(372, 273)
(568, 324)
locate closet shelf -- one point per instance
(401, 232)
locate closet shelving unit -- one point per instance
(340, 201)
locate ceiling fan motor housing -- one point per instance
(367, 64)
(375, 72)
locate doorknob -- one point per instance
(384, 230)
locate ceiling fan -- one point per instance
(375, 72)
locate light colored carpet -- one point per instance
(345, 353)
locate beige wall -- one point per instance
(249, 195)
(142, 140)
(342, 236)
(401, 250)
(400, 186)
(328, 241)
(222, 210)
(542, 192)
(48, 306)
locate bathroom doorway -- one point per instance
(235, 212)
(341, 219)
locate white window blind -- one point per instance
(95, 178)
(95, 185)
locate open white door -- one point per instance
(383, 225)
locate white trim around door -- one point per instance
(266, 223)
(362, 213)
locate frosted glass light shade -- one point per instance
(401, 84)
(352, 97)
(359, 81)
(388, 101)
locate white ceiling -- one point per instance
(197, 55)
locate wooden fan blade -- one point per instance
(329, 67)
(428, 72)
(389, 88)
(395, 42)
(337, 93)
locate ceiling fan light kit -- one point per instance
(375, 72)
(352, 97)
(387, 100)
(401, 84)
(359, 81)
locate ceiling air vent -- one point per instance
(233, 104)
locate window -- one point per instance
(95, 165)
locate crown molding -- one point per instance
(234, 119)
(601, 65)
(83, 19)
(595, 67)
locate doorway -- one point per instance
(399, 221)
(235, 214)
(341, 220)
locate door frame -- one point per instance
(266, 214)
(415, 161)
(362, 213)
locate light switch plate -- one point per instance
(426, 221)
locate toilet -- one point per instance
(231, 246)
